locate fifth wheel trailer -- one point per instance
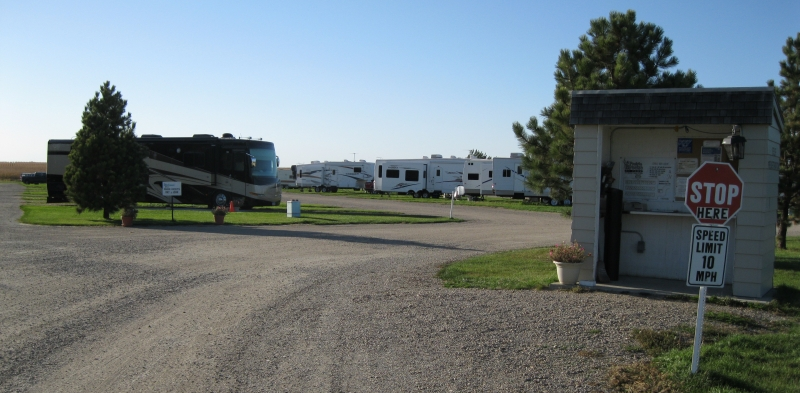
(509, 180)
(333, 175)
(212, 171)
(478, 177)
(420, 178)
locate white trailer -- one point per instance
(478, 177)
(420, 178)
(333, 175)
(509, 179)
(286, 176)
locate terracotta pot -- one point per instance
(568, 273)
(219, 219)
(127, 221)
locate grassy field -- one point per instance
(12, 170)
(489, 201)
(738, 354)
(36, 211)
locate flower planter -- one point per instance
(568, 273)
(219, 219)
(127, 221)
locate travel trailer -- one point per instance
(421, 178)
(509, 179)
(478, 177)
(286, 176)
(212, 171)
(330, 176)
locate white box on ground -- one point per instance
(293, 208)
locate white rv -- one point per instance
(478, 177)
(286, 176)
(420, 178)
(331, 176)
(509, 179)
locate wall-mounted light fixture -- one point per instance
(734, 143)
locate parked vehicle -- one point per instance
(33, 178)
(330, 176)
(509, 180)
(478, 177)
(213, 171)
(420, 178)
(287, 178)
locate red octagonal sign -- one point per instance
(714, 193)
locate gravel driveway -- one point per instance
(302, 308)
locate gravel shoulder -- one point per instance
(299, 308)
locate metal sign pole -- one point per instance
(698, 330)
(172, 206)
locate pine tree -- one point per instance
(789, 99)
(475, 153)
(615, 53)
(107, 170)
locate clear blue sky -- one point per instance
(326, 79)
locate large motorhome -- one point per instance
(212, 171)
(478, 177)
(509, 179)
(421, 178)
(333, 175)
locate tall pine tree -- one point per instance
(107, 170)
(615, 53)
(789, 99)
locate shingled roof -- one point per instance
(741, 105)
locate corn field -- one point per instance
(12, 170)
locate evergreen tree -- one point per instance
(475, 153)
(789, 97)
(615, 53)
(107, 170)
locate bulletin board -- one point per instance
(659, 183)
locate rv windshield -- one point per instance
(265, 162)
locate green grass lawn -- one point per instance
(36, 211)
(489, 201)
(738, 354)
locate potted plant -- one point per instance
(568, 259)
(128, 214)
(219, 214)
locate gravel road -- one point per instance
(301, 308)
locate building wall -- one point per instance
(755, 253)
(586, 194)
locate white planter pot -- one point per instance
(568, 272)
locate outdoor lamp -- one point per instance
(734, 144)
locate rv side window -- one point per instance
(357, 170)
(380, 170)
(334, 172)
(519, 170)
(438, 172)
(239, 160)
(393, 173)
(300, 175)
(473, 176)
(227, 161)
(412, 175)
(490, 174)
(506, 172)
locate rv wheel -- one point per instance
(425, 194)
(413, 194)
(316, 188)
(554, 202)
(323, 189)
(567, 202)
(221, 199)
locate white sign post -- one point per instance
(171, 189)
(713, 195)
(456, 193)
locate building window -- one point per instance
(393, 173)
(412, 175)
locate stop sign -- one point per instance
(714, 193)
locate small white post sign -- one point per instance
(171, 188)
(708, 256)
